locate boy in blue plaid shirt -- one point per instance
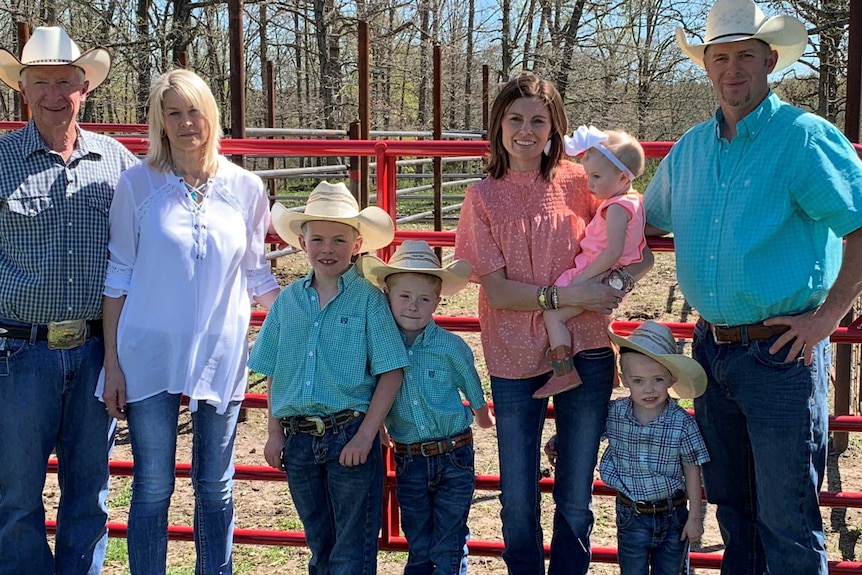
(428, 423)
(654, 454)
(334, 361)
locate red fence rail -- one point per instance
(387, 152)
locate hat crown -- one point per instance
(332, 201)
(733, 18)
(49, 44)
(654, 338)
(415, 254)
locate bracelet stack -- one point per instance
(548, 297)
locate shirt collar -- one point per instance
(630, 415)
(423, 337)
(753, 124)
(347, 278)
(33, 142)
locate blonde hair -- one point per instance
(627, 150)
(526, 85)
(191, 88)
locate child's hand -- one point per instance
(484, 417)
(385, 438)
(551, 451)
(273, 449)
(355, 452)
(693, 528)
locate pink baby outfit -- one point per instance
(596, 237)
(531, 228)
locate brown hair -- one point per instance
(526, 85)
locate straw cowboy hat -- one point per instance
(335, 203)
(416, 256)
(51, 46)
(656, 341)
(734, 20)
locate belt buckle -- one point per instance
(429, 444)
(67, 334)
(319, 426)
(717, 341)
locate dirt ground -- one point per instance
(267, 505)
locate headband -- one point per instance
(585, 138)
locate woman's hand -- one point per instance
(114, 394)
(591, 295)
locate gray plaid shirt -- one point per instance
(54, 225)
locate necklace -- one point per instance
(195, 193)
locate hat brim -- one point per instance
(374, 225)
(784, 34)
(95, 62)
(454, 276)
(689, 375)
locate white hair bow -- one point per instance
(585, 138)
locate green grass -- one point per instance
(117, 551)
(121, 493)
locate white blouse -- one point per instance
(188, 272)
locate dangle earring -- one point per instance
(547, 149)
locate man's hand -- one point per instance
(806, 330)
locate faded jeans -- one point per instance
(47, 403)
(581, 414)
(765, 422)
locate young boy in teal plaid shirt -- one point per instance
(428, 423)
(334, 358)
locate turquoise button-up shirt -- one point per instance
(758, 220)
(429, 405)
(323, 361)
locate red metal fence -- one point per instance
(386, 153)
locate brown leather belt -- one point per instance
(432, 448)
(741, 333)
(318, 424)
(653, 507)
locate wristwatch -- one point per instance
(620, 279)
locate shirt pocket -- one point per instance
(437, 383)
(29, 206)
(29, 219)
(99, 196)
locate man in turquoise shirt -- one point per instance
(758, 199)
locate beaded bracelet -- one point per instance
(555, 299)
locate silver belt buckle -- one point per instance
(717, 341)
(67, 334)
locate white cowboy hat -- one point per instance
(335, 203)
(51, 46)
(734, 20)
(416, 256)
(656, 341)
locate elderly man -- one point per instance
(758, 199)
(56, 184)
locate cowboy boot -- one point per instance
(565, 376)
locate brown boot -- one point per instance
(565, 376)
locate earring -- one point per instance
(547, 149)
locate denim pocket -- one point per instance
(402, 462)
(680, 516)
(625, 515)
(596, 354)
(760, 351)
(463, 458)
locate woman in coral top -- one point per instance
(520, 228)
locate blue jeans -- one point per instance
(47, 403)
(580, 419)
(435, 494)
(765, 422)
(340, 507)
(153, 435)
(650, 544)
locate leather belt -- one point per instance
(318, 424)
(653, 507)
(438, 447)
(740, 333)
(23, 330)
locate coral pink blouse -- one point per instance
(532, 228)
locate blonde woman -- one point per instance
(186, 259)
